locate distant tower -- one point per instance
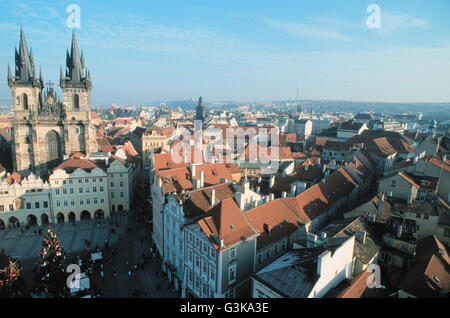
(200, 112)
(299, 105)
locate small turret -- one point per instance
(10, 78)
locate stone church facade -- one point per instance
(44, 128)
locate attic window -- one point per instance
(232, 226)
(436, 279)
(214, 172)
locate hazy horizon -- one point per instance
(145, 51)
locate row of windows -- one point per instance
(201, 246)
(199, 287)
(86, 180)
(268, 252)
(29, 206)
(82, 201)
(121, 184)
(113, 195)
(154, 144)
(80, 190)
(204, 265)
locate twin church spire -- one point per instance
(25, 71)
(75, 74)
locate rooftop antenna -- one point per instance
(298, 92)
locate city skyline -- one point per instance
(255, 51)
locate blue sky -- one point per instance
(140, 51)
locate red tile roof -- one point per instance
(226, 221)
(15, 177)
(408, 178)
(177, 179)
(357, 286)
(437, 161)
(75, 162)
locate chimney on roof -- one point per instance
(271, 196)
(271, 181)
(380, 206)
(192, 168)
(202, 179)
(361, 236)
(213, 197)
(311, 240)
(293, 190)
(159, 182)
(246, 185)
(399, 230)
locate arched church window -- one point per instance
(76, 101)
(25, 101)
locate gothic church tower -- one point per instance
(44, 129)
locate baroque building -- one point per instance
(44, 128)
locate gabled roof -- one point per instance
(380, 146)
(294, 274)
(272, 220)
(430, 245)
(351, 125)
(226, 221)
(198, 202)
(408, 178)
(437, 161)
(14, 178)
(75, 162)
(427, 278)
(365, 252)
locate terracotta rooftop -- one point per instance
(14, 178)
(198, 202)
(75, 162)
(408, 178)
(357, 287)
(427, 279)
(272, 220)
(177, 179)
(226, 221)
(437, 161)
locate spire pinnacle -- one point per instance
(10, 78)
(24, 60)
